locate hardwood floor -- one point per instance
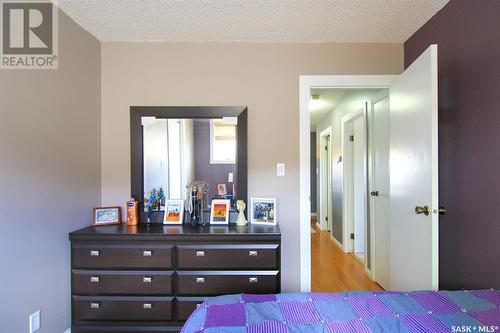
(332, 269)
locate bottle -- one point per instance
(132, 211)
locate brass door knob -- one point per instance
(374, 193)
(422, 210)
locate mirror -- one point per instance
(179, 154)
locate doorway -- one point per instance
(308, 85)
(325, 180)
(342, 150)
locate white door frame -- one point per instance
(323, 225)
(348, 182)
(306, 82)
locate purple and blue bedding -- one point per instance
(359, 312)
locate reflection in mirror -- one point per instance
(178, 153)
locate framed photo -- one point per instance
(174, 212)
(219, 212)
(107, 215)
(263, 211)
(221, 189)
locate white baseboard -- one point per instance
(336, 242)
(370, 273)
(319, 226)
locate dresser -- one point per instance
(150, 278)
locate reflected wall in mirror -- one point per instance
(196, 158)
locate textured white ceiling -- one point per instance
(252, 20)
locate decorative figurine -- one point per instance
(240, 205)
(153, 200)
(161, 197)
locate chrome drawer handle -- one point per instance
(147, 279)
(253, 280)
(253, 253)
(200, 280)
(94, 305)
(94, 279)
(94, 253)
(147, 253)
(147, 306)
(200, 253)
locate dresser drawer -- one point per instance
(263, 256)
(122, 256)
(226, 282)
(185, 306)
(121, 308)
(121, 282)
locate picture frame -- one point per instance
(219, 211)
(174, 212)
(263, 211)
(221, 189)
(106, 216)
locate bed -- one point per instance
(384, 311)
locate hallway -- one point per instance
(334, 270)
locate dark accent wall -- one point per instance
(213, 174)
(313, 173)
(468, 37)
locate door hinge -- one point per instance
(352, 236)
(326, 218)
(326, 147)
(351, 138)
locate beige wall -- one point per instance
(49, 178)
(264, 77)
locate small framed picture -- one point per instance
(174, 212)
(221, 189)
(219, 212)
(263, 211)
(107, 215)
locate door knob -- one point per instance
(422, 210)
(374, 193)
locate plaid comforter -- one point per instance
(385, 311)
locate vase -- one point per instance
(241, 217)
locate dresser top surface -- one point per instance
(159, 230)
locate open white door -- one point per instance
(414, 175)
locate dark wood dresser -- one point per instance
(149, 278)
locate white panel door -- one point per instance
(379, 191)
(413, 175)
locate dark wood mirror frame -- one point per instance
(185, 112)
